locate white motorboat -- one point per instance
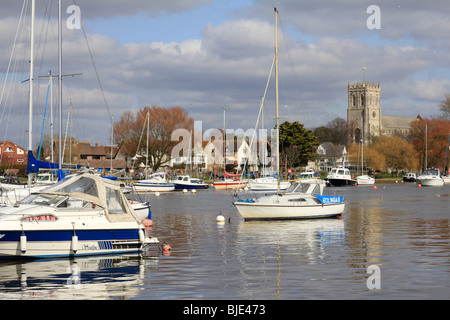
(267, 184)
(188, 183)
(156, 182)
(409, 177)
(303, 200)
(365, 180)
(446, 179)
(80, 215)
(340, 177)
(430, 177)
(309, 175)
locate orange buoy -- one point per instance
(147, 222)
(375, 187)
(167, 247)
(419, 185)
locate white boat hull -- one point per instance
(95, 219)
(51, 239)
(255, 211)
(431, 182)
(365, 180)
(142, 209)
(153, 187)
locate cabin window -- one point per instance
(114, 201)
(297, 200)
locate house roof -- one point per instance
(103, 163)
(397, 122)
(332, 150)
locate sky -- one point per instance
(207, 55)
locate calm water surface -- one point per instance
(402, 229)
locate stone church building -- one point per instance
(364, 118)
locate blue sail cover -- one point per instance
(33, 164)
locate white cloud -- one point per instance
(229, 63)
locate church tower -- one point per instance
(363, 112)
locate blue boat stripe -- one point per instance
(65, 235)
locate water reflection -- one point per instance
(105, 277)
(400, 228)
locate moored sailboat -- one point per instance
(302, 200)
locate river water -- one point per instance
(391, 243)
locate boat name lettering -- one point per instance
(90, 247)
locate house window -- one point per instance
(9, 149)
(201, 158)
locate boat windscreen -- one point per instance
(82, 185)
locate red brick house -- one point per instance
(11, 153)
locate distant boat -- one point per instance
(230, 181)
(340, 177)
(309, 175)
(431, 177)
(186, 182)
(229, 184)
(156, 182)
(365, 180)
(410, 177)
(267, 184)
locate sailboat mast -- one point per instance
(30, 109)
(146, 149)
(60, 82)
(276, 98)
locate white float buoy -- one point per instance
(246, 188)
(23, 243)
(157, 193)
(220, 218)
(141, 236)
(74, 243)
(194, 191)
(184, 190)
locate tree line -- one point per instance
(298, 144)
